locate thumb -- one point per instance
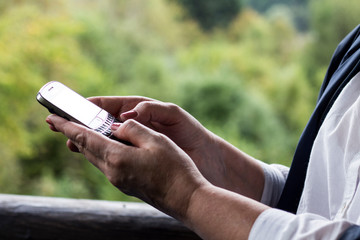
(133, 132)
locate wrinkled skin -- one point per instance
(173, 163)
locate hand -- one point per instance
(164, 118)
(177, 124)
(153, 169)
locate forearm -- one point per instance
(236, 171)
(216, 213)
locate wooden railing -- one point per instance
(30, 217)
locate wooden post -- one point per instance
(30, 217)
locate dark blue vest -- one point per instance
(345, 64)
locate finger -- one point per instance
(51, 125)
(92, 144)
(72, 146)
(153, 111)
(117, 105)
(135, 133)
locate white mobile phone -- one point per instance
(65, 102)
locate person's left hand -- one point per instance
(153, 168)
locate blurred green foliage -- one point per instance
(254, 83)
(211, 13)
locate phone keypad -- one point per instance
(105, 127)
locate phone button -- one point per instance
(96, 123)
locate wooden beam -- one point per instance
(33, 217)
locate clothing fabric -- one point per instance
(344, 65)
(333, 173)
(352, 233)
(330, 201)
(321, 186)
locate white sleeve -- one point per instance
(281, 225)
(275, 177)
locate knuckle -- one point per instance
(114, 163)
(80, 140)
(129, 124)
(143, 105)
(173, 107)
(118, 172)
(159, 138)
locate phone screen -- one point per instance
(70, 102)
(65, 102)
(75, 105)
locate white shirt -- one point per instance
(330, 202)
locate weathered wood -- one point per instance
(30, 217)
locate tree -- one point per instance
(212, 13)
(330, 22)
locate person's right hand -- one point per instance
(174, 122)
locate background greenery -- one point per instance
(248, 70)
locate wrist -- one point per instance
(212, 208)
(178, 197)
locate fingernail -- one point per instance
(48, 120)
(129, 114)
(115, 126)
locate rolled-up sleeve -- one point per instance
(281, 225)
(275, 177)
